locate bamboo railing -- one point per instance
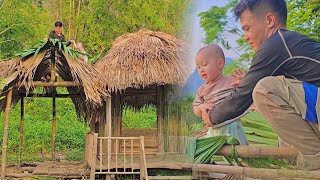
(102, 160)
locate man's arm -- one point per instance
(264, 63)
(51, 35)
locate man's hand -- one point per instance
(238, 74)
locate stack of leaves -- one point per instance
(258, 131)
(44, 45)
(207, 147)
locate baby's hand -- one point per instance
(206, 118)
(205, 107)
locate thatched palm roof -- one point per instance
(36, 67)
(145, 58)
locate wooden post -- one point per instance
(94, 156)
(143, 163)
(117, 117)
(5, 134)
(108, 129)
(160, 119)
(53, 79)
(53, 137)
(21, 130)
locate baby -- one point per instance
(79, 47)
(210, 61)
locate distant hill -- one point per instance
(195, 81)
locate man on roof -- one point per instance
(283, 80)
(57, 33)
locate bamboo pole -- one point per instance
(52, 80)
(53, 137)
(5, 134)
(245, 151)
(21, 130)
(257, 172)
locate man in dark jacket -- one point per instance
(57, 33)
(283, 80)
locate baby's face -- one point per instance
(209, 68)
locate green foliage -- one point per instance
(258, 131)
(97, 23)
(207, 147)
(22, 24)
(303, 17)
(143, 118)
(214, 22)
(46, 45)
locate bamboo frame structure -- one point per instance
(5, 134)
(21, 130)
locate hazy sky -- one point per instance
(197, 32)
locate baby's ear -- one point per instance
(221, 63)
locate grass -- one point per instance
(271, 163)
(143, 118)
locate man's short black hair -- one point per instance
(58, 24)
(277, 6)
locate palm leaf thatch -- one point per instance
(145, 58)
(34, 65)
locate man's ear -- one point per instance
(271, 20)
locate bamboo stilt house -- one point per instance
(49, 65)
(142, 68)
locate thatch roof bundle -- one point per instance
(36, 67)
(145, 58)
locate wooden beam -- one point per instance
(245, 151)
(50, 95)
(5, 134)
(259, 173)
(53, 84)
(21, 130)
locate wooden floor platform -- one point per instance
(76, 169)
